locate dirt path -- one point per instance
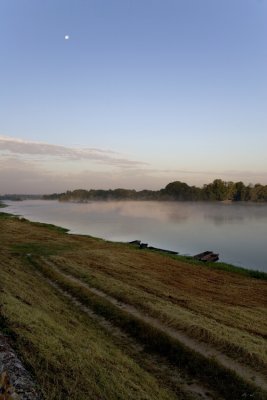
(185, 387)
(204, 349)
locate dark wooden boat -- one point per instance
(135, 242)
(207, 256)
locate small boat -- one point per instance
(135, 242)
(207, 256)
(143, 246)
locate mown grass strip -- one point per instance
(226, 381)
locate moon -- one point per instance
(66, 37)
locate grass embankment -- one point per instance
(71, 355)
(252, 273)
(155, 340)
(223, 309)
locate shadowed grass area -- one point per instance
(4, 215)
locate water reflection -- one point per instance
(236, 231)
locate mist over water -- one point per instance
(238, 232)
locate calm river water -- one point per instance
(238, 232)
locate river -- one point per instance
(237, 231)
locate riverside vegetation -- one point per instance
(92, 319)
(218, 190)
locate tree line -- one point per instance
(218, 190)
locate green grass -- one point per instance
(38, 248)
(213, 265)
(55, 228)
(239, 270)
(52, 335)
(52, 227)
(187, 259)
(155, 340)
(70, 356)
(232, 334)
(4, 215)
(218, 265)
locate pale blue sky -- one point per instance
(177, 88)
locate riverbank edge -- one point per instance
(184, 258)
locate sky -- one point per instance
(131, 93)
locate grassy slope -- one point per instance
(226, 309)
(70, 354)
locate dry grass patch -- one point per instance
(218, 307)
(70, 354)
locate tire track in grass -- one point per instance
(184, 386)
(206, 362)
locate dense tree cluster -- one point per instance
(218, 190)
